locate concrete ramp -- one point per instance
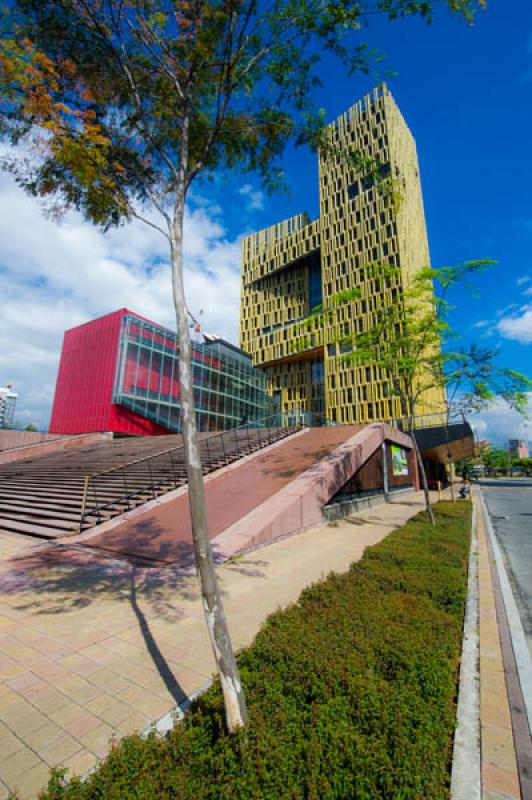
(265, 496)
(299, 505)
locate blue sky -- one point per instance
(466, 93)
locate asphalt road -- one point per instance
(509, 502)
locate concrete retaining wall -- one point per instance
(49, 446)
(299, 505)
(344, 508)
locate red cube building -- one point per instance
(120, 373)
(83, 400)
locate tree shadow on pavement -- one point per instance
(47, 579)
(58, 579)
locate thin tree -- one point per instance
(405, 337)
(411, 342)
(123, 104)
(474, 381)
(495, 459)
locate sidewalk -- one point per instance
(500, 780)
(506, 741)
(92, 646)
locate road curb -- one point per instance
(466, 781)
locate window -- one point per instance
(352, 190)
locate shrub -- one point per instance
(351, 691)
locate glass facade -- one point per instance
(228, 390)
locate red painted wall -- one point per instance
(84, 387)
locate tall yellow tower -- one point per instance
(296, 265)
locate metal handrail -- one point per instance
(248, 425)
(433, 420)
(151, 485)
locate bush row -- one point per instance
(351, 691)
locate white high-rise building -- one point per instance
(8, 400)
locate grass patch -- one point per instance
(351, 691)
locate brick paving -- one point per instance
(500, 777)
(94, 647)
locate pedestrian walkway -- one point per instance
(92, 646)
(164, 532)
(500, 780)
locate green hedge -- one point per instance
(351, 691)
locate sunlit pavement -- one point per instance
(94, 646)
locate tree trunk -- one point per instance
(423, 474)
(448, 422)
(235, 703)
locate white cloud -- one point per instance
(255, 197)
(482, 323)
(500, 423)
(510, 307)
(523, 279)
(517, 326)
(54, 276)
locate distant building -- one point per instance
(8, 401)
(518, 448)
(120, 373)
(297, 265)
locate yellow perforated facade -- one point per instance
(294, 266)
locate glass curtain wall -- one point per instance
(228, 390)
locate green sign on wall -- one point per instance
(399, 461)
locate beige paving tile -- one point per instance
(17, 765)
(499, 768)
(9, 744)
(44, 736)
(66, 713)
(135, 723)
(115, 685)
(82, 725)
(115, 713)
(50, 700)
(56, 752)
(98, 740)
(496, 714)
(27, 723)
(81, 762)
(190, 680)
(498, 746)
(31, 782)
(500, 782)
(12, 670)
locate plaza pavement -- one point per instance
(94, 647)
